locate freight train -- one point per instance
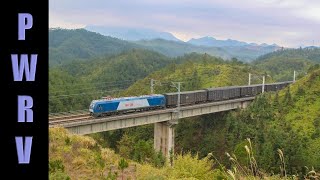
(122, 105)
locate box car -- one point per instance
(284, 84)
(187, 97)
(276, 86)
(223, 93)
(271, 87)
(251, 90)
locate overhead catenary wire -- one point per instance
(115, 86)
(91, 83)
(70, 95)
(123, 81)
(97, 87)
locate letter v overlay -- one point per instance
(30, 71)
(24, 152)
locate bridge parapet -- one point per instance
(90, 126)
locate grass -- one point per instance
(252, 172)
(79, 157)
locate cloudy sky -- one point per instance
(290, 23)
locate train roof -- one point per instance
(128, 98)
(253, 85)
(222, 88)
(185, 92)
(285, 82)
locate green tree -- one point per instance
(288, 98)
(123, 164)
(125, 146)
(158, 159)
(143, 151)
(300, 91)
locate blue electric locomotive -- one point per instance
(126, 104)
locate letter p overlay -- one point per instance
(25, 21)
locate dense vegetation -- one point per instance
(282, 63)
(72, 86)
(288, 121)
(312, 54)
(80, 44)
(196, 72)
(80, 157)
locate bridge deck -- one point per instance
(89, 125)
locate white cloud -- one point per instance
(312, 13)
(56, 21)
(285, 22)
(184, 36)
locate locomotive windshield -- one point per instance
(91, 105)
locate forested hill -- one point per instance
(282, 63)
(195, 71)
(73, 86)
(79, 44)
(312, 54)
(289, 121)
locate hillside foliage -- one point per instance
(196, 72)
(288, 121)
(81, 157)
(80, 44)
(74, 85)
(282, 63)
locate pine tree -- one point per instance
(300, 91)
(288, 98)
(276, 101)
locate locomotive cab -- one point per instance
(93, 108)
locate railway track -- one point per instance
(69, 119)
(58, 118)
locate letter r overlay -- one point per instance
(25, 103)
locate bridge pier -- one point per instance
(164, 137)
(245, 104)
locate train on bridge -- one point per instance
(111, 106)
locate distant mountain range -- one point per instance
(131, 34)
(212, 42)
(174, 48)
(138, 34)
(80, 44)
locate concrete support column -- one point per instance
(164, 137)
(244, 104)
